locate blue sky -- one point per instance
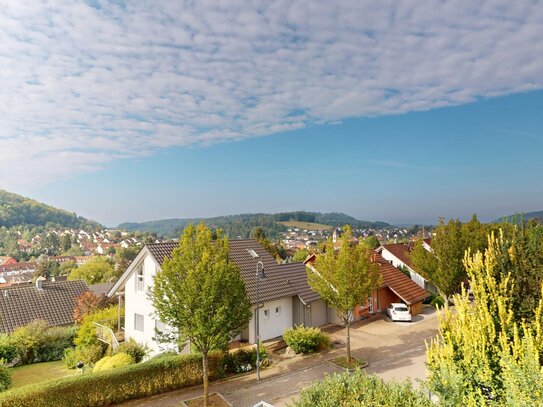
(397, 111)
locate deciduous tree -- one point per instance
(345, 279)
(201, 293)
(484, 356)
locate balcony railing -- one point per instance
(106, 334)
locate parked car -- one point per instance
(399, 312)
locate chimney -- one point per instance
(39, 282)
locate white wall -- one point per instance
(416, 277)
(275, 325)
(136, 302)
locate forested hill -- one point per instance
(527, 216)
(18, 210)
(241, 225)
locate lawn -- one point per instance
(39, 372)
(305, 225)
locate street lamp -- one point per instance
(260, 275)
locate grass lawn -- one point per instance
(39, 372)
(306, 225)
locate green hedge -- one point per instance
(134, 381)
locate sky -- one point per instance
(386, 110)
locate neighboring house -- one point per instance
(53, 302)
(7, 260)
(398, 254)
(17, 268)
(14, 279)
(395, 287)
(285, 296)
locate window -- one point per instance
(140, 283)
(277, 311)
(266, 314)
(138, 322)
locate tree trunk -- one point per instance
(205, 373)
(348, 326)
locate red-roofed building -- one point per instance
(395, 287)
(7, 261)
(399, 255)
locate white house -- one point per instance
(398, 255)
(285, 296)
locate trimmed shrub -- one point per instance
(5, 377)
(438, 301)
(86, 354)
(8, 351)
(113, 362)
(306, 340)
(359, 389)
(134, 349)
(125, 383)
(98, 365)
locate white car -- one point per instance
(398, 312)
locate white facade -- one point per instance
(140, 321)
(274, 317)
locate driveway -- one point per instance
(394, 351)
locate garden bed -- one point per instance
(355, 363)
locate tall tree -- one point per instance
(484, 356)
(443, 266)
(201, 293)
(345, 279)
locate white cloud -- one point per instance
(83, 85)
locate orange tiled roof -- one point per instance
(397, 281)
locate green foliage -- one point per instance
(300, 255)
(112, 362)
(56, 341)
(201, 293)
(37, 342)
(66, 267)
(86, 335)
(244, 360)
(114, 386)
(360, 390)
(444, 266)
(134, 349)
(88, 354)
(345, 279)
(8, 351)
(521, 255)
(18, 210)
(372, 242)
(484, 355)
(97, 270)
(306, 340)
(28, 339)
(437, 301)
(5, 377)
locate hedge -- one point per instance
(302, 339)
(130, 382)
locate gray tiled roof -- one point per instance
(54, 303)
(282, 280)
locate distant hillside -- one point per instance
(538, 215)
(240, 226)
(18, 210)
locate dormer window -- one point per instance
(140, 282)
